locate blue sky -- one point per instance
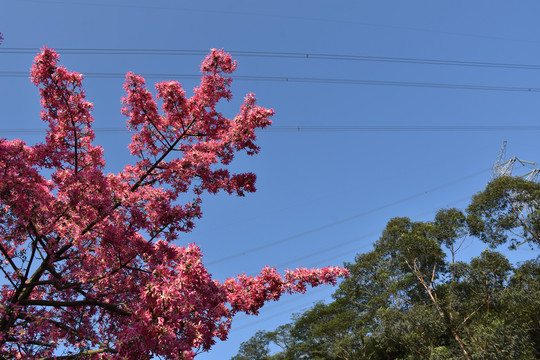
(343, 158)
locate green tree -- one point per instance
(256, 348)
(508, 210)
(409, 298)
(523, 302)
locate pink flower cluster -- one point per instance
(248, 294)
(89, 262)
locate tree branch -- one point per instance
(80, 355)
(517, 212)
(416, 270)
(34, 246)
(140, 181)
(76, 303)
(10, 260)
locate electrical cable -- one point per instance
(279, 304)
(344, 220)
(303, 306)
(278, 16)
(275, 54)
(332, 128)
(308, 80)
(411, 128)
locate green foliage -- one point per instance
(409, 299)
(524, 300)
(256, 348)
(508, 210)
(449, 226)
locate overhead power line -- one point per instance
(277, 54)
(392, 128)
(281, 15)
(341, 221)
(329, 128)
(312, 80)
(337, 245)
(307, 304)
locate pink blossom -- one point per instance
(90, 259)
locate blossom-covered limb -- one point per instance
(105, 278)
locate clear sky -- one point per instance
(357, 140)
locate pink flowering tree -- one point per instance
(91, 265)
